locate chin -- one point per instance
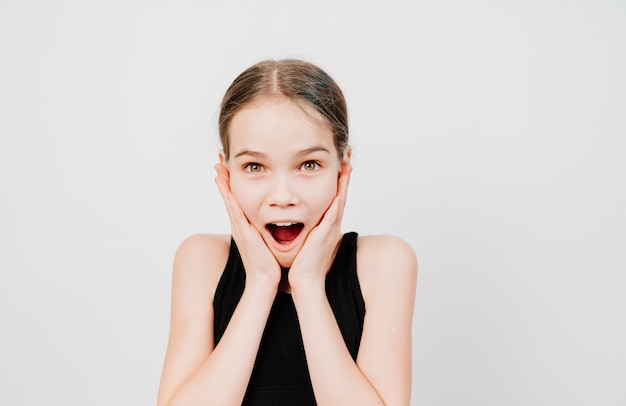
(284, 261)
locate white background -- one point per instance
(489, 134)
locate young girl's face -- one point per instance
(283, 171)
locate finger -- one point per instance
(334, 212)
(344, 180)
(342, 189)
(237, 217)
(223, 180)
(222, 170)
(223, 174)
(330, 217)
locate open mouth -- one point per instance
(284, 233)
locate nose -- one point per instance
(282, 191)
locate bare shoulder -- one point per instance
(198, 265)
(385, 262)
(387, 271)
(200, 260)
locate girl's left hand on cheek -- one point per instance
(318, 252)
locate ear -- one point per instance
(347, 155)
(346, 161)
(222, 157)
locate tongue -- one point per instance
(286, 233)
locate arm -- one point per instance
(194, 372)
(382, 373)
(388, 284)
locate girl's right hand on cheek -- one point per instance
(261, 266)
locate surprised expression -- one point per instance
(283, 171)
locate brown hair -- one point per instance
(297, 80)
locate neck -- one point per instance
(283, 286)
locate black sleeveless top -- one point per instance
(280, 375)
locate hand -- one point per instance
(260, 264)
(318, 252)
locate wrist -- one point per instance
(308, 299)
(309, 289)
(260, 286)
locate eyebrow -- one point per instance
(311, 150)
(303, 152)
(254, 154)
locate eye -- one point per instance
(253, 167)
(310, 166)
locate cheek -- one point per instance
(246, 194)
(322, 194)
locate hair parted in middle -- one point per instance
(297, 80)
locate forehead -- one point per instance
(279, 125)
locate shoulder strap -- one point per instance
(228, 291)
(344, 293)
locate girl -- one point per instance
(288, 310)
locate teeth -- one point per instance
(286, 224)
